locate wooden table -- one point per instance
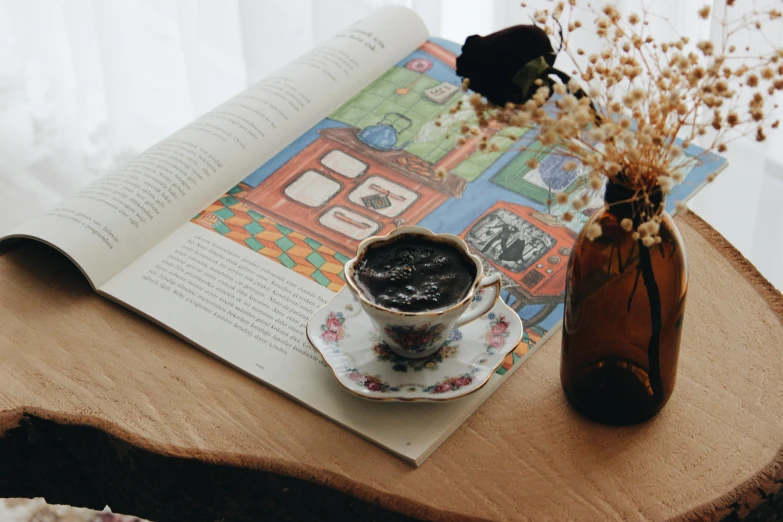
(99, 406)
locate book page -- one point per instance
(241, 279)
(249, 312)
(112, 221)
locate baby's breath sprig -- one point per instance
(632, 108)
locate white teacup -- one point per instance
(419, 334)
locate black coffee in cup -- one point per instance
(412, 273)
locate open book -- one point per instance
(234, 230)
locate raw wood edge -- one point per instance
(760, 488)
(11, 419)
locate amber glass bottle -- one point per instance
(623, 315)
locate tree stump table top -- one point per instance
(72, 360)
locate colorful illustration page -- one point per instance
(243, 276)
(373, 165)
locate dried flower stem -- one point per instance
(654, 297)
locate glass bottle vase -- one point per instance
(623, 320)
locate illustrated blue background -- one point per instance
(455, 215)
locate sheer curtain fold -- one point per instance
(85, 84)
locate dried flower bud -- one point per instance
(653, 227)
(626, 224)
(648, 241)
(665, 182)
(593, 231)
(732, 118)
(567, 216)
(541, 95)
(613, 168)
(520, 120)
(532, 163)
(706, 47)
(704, 12)
(547, 138)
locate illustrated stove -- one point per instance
(339, 191)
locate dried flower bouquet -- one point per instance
(620, 110)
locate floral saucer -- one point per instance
(343, 334)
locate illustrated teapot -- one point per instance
(383, 136)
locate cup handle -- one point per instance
(490, 288)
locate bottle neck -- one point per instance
(624, 202)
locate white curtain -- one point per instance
(85, 84)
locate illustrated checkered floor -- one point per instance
(233, 219)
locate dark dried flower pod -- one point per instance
(502, 66)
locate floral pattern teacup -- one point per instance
(420, 334)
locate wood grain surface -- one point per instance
(70, 357)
